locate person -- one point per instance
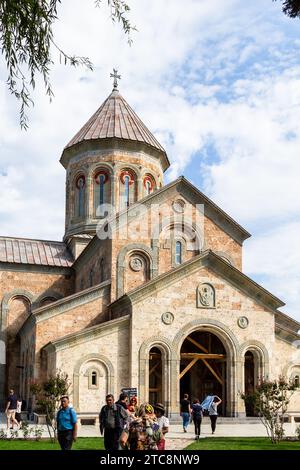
(213, 412)
(66, 424)
(197, 414)
(163, 423)
(123, 400)
(112, 418)
(11, 408)
(185, 411)
(18, 411)
(133, 406)
(143, 432)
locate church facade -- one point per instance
(146, 289)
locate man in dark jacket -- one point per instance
(112, 420)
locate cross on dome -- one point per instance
(115, 76)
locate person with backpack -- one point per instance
(197, 414)
(112, 418)
(66, 424)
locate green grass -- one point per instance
(82, 443)
(241, 443)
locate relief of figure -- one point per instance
(205, 296)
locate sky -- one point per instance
(216, 81)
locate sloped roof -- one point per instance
(115, 119)
(38, 252)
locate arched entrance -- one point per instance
(155, 376)
(249, 377)
(203, 367)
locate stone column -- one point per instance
(174, 413)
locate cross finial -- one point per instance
(115, 77)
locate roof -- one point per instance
(115, 119)
(37, 252)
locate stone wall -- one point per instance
(21, 288)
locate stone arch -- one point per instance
(286, 371)
(231, 346)
(94, 193)
(226, 256)
(11, 343)
(7, 298)
(261, 354)
(97, 358)
(190, 231)
(121, 263)
(49, 293)
(165, 346)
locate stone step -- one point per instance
(225, 420)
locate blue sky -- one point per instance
(217, 81)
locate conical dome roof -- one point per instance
(116, 119)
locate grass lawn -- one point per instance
(82, 443)
(241, 443)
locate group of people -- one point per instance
(194, 412)
(126, 425)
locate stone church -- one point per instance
(146, 289)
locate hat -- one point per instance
(160, 407)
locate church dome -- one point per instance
(116, 121)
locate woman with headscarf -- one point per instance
(143, 433)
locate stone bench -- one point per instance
(82, 417)
(39, 418)
(291, 415)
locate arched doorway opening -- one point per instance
(250, 382)
(155, 376)
(203, 367)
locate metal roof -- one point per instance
(38, 252)
(115, 119)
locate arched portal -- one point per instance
(155, 376)
(203, 367)
(249, 377)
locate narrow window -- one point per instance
(126, 194)
(94, 378)
(101, 183)
(148, 187)
(178, 253)
(296, 381)
(80, 185)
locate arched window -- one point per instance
(94, 378)
(178, 252)
(297, 381)
(127, 188)
(101, 192)
(80, 196)
(149, 185)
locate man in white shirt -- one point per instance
(163, 423)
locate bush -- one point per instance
(298, 432)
